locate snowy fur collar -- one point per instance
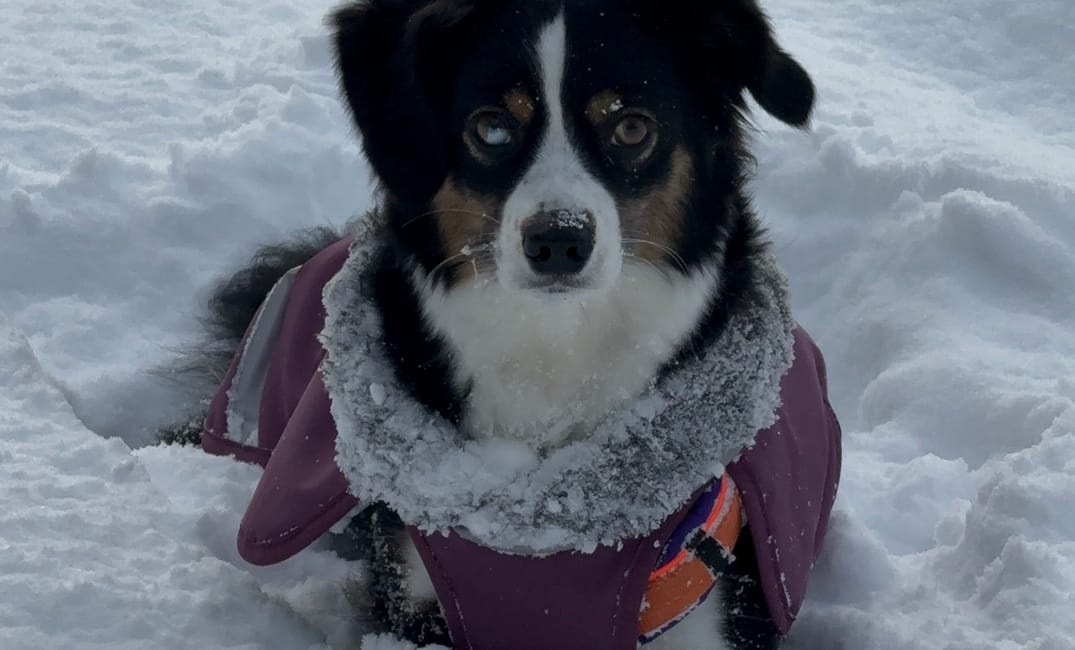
(642, 463)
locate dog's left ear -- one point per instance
(781, 86)
(777, 82)
(731, 44)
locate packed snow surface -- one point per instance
(926, 222)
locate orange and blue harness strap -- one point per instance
(681, 583)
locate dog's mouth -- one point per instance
(558, 285)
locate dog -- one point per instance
(565, 218)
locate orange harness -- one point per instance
(683, 582)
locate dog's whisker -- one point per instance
(644, 261)
(479, 253)
(431, 277)
(676, 257)
(433, 213)
(635, 239)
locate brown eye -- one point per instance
(493, 129)
(631, 131)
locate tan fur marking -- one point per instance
(602, 105)
(466, 221)
(520, 105)
(652, 224)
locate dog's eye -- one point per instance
(631, 131)
(493, 128)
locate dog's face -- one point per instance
(546, 144)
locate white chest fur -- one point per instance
(542, 369)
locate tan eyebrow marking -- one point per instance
(602, 105)
(520, 105)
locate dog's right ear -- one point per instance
(386, 61)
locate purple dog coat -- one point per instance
(273, 409)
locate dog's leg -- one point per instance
(734, 617)
(399, 595)
(747, 625)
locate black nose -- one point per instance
(558, 242)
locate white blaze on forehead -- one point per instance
(552, 60)
(558, 181)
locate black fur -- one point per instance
(731, 46)
(421, 358)
(186, 433)
(743, 244)
(230, 309)
(236, 299)
(747, 625)
(388, 54)
(412, 70)
(375, 537)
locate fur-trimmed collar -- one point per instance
(641, 464)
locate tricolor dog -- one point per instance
(552, 378)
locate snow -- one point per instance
(105, 548)
(925, 222)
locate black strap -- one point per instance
(710, 552)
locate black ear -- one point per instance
(779, 84)
(385, 58)
(782, 87)
(730, 44)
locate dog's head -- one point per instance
(546, 144)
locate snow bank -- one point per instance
(926, 225)
(102, 548)
(146, 146)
